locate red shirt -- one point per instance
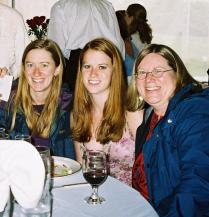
(138, 175)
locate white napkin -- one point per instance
(22, 170)
(5, 87)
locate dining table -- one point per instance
(68, 193)
(121, 200)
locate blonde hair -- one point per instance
(183, 78)
(113, 120)
(39, 124)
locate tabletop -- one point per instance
(121, 200)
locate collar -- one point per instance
(182, 94)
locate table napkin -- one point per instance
(22, 170)
(5, 87)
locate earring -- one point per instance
(140, 98)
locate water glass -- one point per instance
(3, 134)
(23, 137)
(43, 209)
(7, 210)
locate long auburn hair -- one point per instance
(139, 23)
(113, 120)
(39, 124)
(183, 77)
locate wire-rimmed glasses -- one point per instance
(156, 72)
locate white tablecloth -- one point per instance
(121, 200)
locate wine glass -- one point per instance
(94, 168)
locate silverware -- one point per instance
(72, 185)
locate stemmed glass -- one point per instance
(95, 171)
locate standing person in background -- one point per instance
(171, 168)
(73, 23)
(99, 119)
(136, 18)
(13, 40)
(38, 106)
(131, 51)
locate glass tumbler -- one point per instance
(43, 209)
(24, 137)
(3, 134)
(7, 210)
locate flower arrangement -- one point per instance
(38, 26)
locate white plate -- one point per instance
(67, 165)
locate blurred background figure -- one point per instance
(13, 40)
(131, 51)
(73, 23)
(136, 18)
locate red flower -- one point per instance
(31, 24)
(39, 20)
(38, 26)
(44, 25)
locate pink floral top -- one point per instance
(121, 156)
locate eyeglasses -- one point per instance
(157, 73)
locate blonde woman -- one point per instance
(99, 116)
(37, 107)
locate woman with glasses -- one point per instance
(171, 167)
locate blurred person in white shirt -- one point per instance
(13, 40)
(73, 23)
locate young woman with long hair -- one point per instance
(37, 107)
(99, 118)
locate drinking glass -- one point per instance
(24, 137)
(94, 167)
(8, 208)
(3, 134)
(43, 209)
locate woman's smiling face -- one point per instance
(156, 91)
(40, 70)
(97, 71)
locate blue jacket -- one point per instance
(60, 141)
(176, 157)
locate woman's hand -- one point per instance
(3, 72)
